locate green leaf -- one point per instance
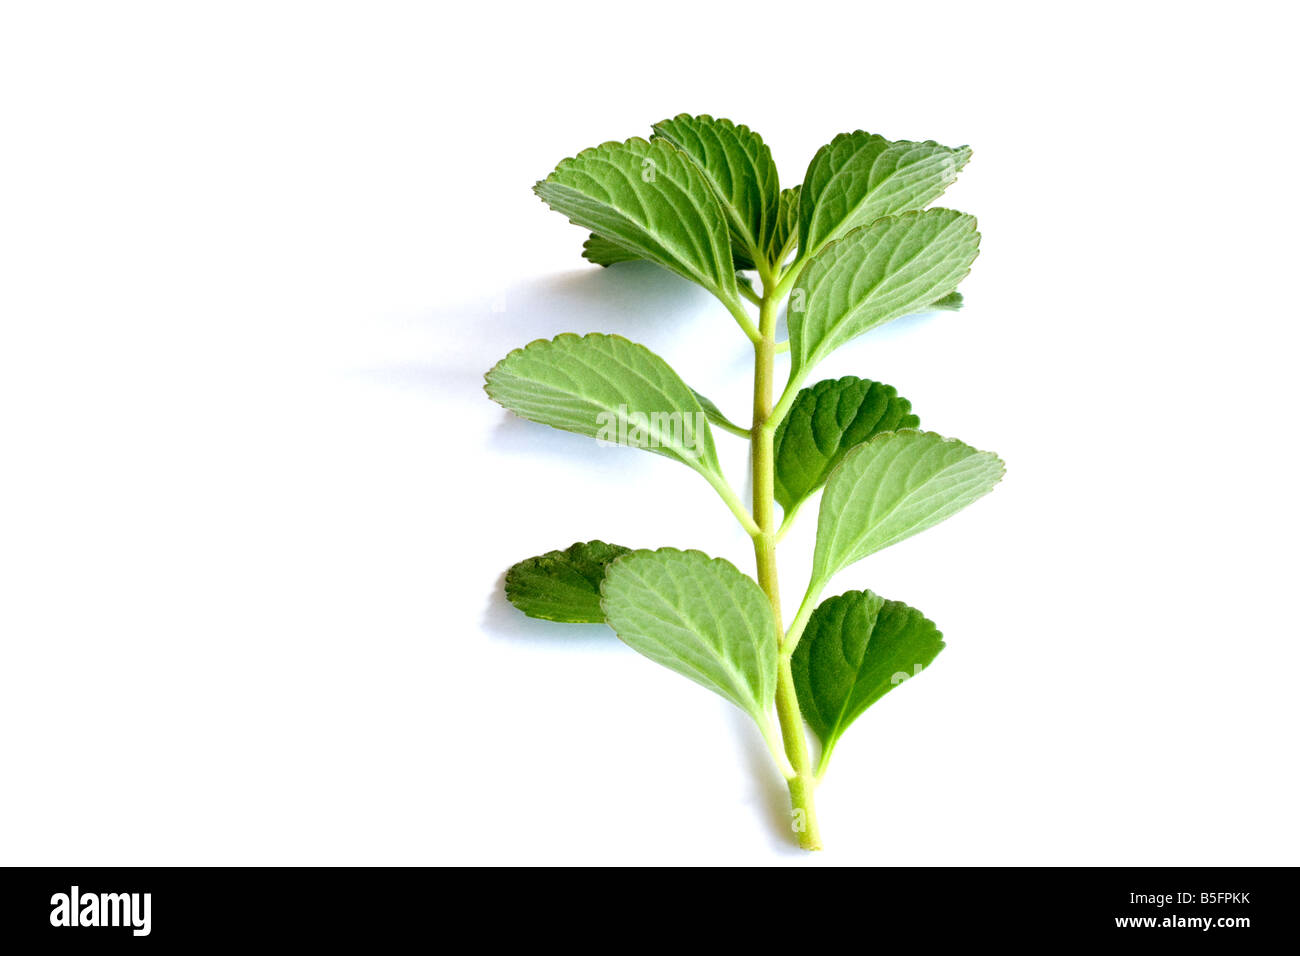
(563, 585)
(700, 617)
(715, 415)
(856, 648)
(608, 388)
(787, 224)
(739, 166)
(874, 274)
(860, 177)
(605, 252)
(825, 421)
(892, 487)
(949, 303)
(652, 200)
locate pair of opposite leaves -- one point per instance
(706, 620)
(702, 200)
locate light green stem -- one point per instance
(737, 310)
(801, 617)
(732, 500)
(802, 782)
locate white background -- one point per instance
(254, 259)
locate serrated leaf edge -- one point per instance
(507, 587)
(761, 717)
(856, 450)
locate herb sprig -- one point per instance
(854, 246)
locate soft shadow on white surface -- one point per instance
(638, 300)
(527, 441)
(501, 619)
(435, 378)
(769, 794)
(626, 299)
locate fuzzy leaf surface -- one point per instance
(606, 252)
(825, 421)
(563, 585)
(787, 224)
(650, 199)
(860, 177)
(856, 648)
(595, 384)
(739, 166)
(700, 617)
(894, 486)
(880, 272)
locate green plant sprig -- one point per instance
(853, 246)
